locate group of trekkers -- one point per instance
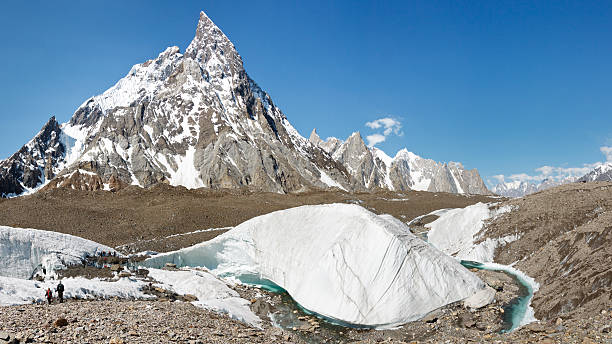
(60, 293)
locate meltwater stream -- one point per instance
(519, 311)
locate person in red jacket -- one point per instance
(49, 295)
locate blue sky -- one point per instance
(503, 87)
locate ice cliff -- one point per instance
(26, 251)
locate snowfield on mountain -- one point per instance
(339, 261)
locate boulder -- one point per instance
(60, 322)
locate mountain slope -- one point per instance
(563, 240)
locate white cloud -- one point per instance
(556, 173)
(560, 172)
(390, 126)
(607, 151)
(499, 177)
(524, 177)
(375, 139)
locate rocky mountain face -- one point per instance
(197, 119)
(372, 168)
(36, 162)
(602, 173)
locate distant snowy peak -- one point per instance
(602, 173)
(373, 168)
(519, 188)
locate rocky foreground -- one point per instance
(114, 321)
(164, 321)
(565, 243)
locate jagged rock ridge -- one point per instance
(602, 173)
(197, 119)
(36, 162)
(372, 168)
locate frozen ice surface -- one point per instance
(212, 293)
(16, 291)
(456, 231)
(340, 261)
(24, 251)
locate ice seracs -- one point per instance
(340, 261)
(25, 252)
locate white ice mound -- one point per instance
(23, 252)
(457, 230)
(338, 260)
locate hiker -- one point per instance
(49, 295)
(60, 292)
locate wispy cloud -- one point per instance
(375, 139)
(607, 151)
(388, 125)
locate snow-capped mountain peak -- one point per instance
(198, 120)
(517, 188)
(602, 172)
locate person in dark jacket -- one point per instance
(49, 295)
(60, 291)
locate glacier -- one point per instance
(456, 231)
(26, 251)
(339, 261)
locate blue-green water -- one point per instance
(516, 310)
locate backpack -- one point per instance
(60, 288)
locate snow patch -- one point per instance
(186, 173)
(455, 232)
(15, 291)
(212, 294)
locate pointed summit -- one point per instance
(213, 49)
(356, 140)
(314, 138)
